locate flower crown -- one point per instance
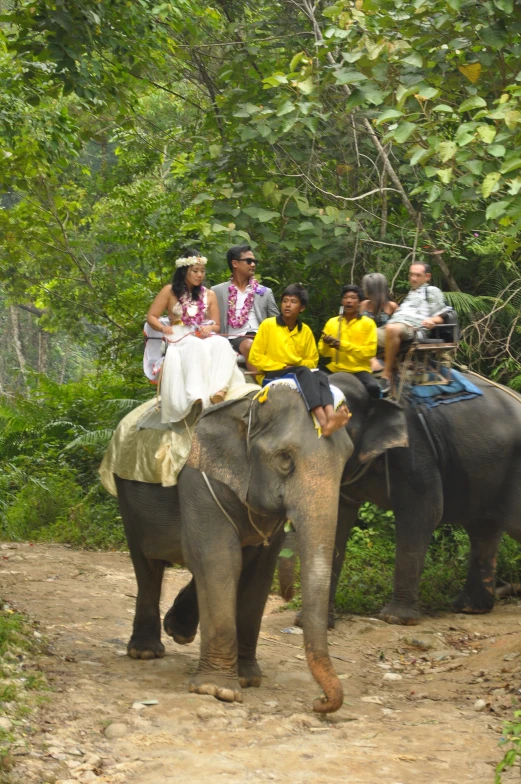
(189, 261)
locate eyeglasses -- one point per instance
(250, 261)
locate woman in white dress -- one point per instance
(199, 365)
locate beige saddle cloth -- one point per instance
(144, 449)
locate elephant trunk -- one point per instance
(316, 537)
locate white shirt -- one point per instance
(252, 324)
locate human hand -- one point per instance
(429, 323)
(329, 339)
(205, 332)
(167, 330)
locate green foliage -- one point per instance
(512, 740)
(51, 447)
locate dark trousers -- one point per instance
(313, 384)
(369, 381)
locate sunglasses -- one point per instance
(250, 261)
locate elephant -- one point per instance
(254, 464)
(454, 464)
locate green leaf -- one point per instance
(496, 209)
(515, 186)
(505, 5)
(349, 76)
(512, 118)
(286, 108)
(203, 197)
(489, 183)
(295, 61)
(414, 58)
(286, 552)
(486, 133)
(447, 150)
(494, 36)
(435, 193)
(445, 175)
(443, 107)
(474, 102)
(215, 150)
(262, 215)
(428, 93)
(387, 115)
(404, 130)
(475, 167)
(420, 154)
(497, 150)
(510, 165)
(307, 86)
(268, 188)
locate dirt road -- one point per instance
(409, 716)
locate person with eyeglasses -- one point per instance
(243, 303)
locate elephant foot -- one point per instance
(400, 615)
(222, 687)
(249, 673)
(182, 630)
(145, 648)
(474, 605)
(330, 619)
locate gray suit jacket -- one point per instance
(264, 306)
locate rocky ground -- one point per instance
(422, 704)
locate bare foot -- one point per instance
(336, 421)
(218, 397)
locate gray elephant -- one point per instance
(455, 464)
(253, 465)
(462, 466)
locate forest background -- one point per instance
(336, 139)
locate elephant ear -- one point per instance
(219, 445)
(385, 428)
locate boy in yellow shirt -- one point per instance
(350, 340)
(283, 345)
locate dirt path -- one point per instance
(420, 726)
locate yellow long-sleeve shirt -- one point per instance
(275, 346)
(357, 344)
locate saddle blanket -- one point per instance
(144, 449)
(459, 388)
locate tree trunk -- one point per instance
(15, 324)
(43, 345)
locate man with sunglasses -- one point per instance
(243, 302)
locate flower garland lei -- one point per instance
(240, 320)
(185, 301)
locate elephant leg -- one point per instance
(286, 568)
(212, 551)
(182, 619)
(478, 594)
(416, 516)
(145, 642)
(347, 519)
(254, 587)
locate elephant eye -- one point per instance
(284, 462)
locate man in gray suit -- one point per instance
(243, 302)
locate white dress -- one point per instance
(194, 369)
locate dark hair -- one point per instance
(235, 253)
(179, 286)
(426, 267)
(355, 289)
(376, 289)
(296, 290)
